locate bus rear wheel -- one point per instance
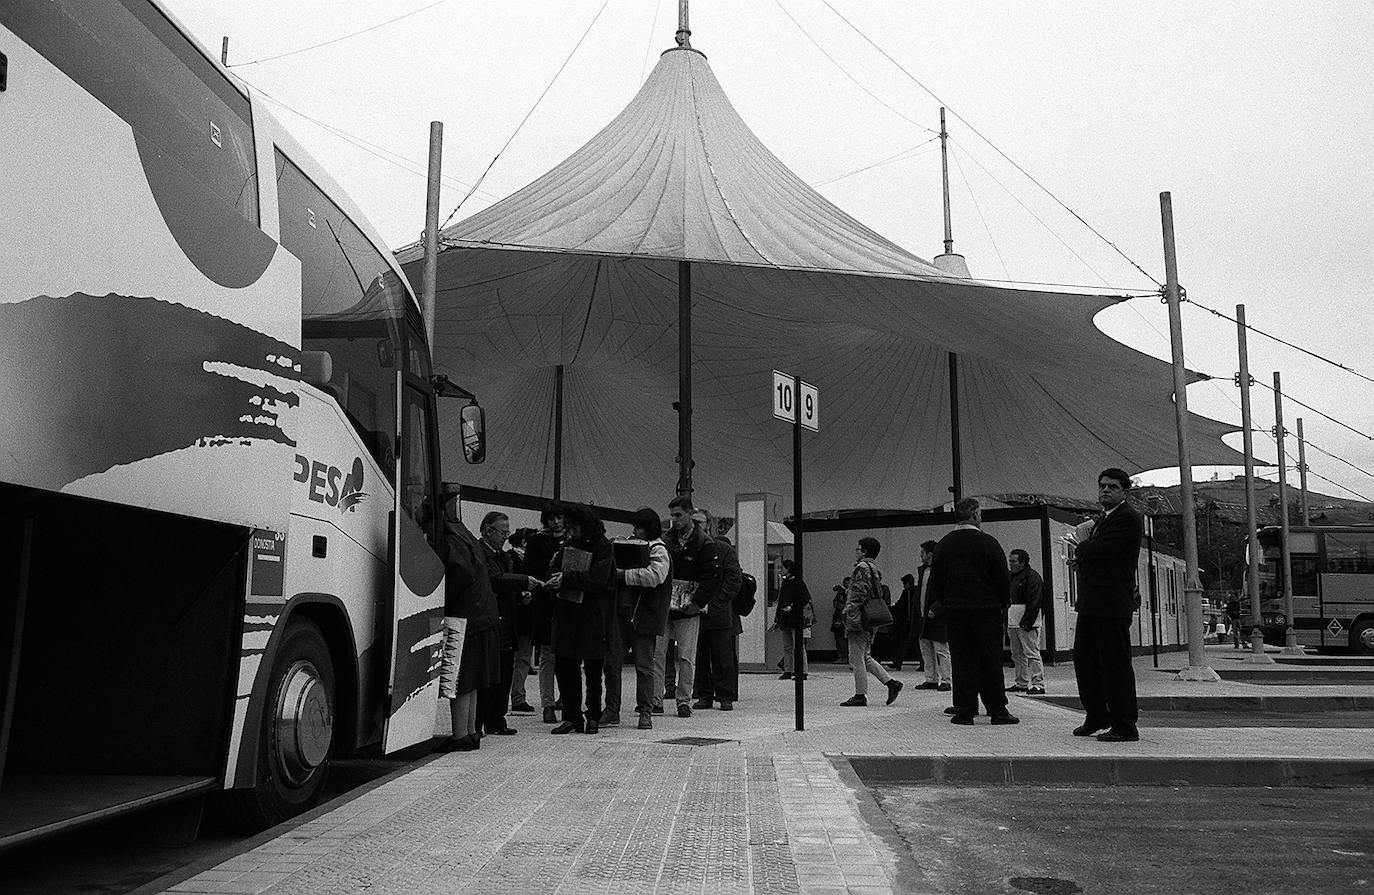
(1362, 637)
(296, 736)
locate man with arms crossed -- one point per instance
(1106, 564)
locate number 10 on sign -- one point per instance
(786, 404)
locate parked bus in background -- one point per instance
(1333, 586)
(218, 450)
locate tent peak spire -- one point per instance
(684, 33)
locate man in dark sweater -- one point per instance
(1023, 624)
(971, 585)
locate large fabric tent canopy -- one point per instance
(580, 270)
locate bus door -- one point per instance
(417, 602)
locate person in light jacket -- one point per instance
(647, 591)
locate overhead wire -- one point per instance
(649, 49)
(344, 37)
(845, 72)
(994, 146)
(979, 208)
(905, 154)
(1344, 425)
(518, 127)
(409, 165)
(1267, 335)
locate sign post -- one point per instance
(797, 402)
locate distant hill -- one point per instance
(1229, 498)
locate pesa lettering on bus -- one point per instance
(328, 484)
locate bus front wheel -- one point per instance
(1362, 636)
(296, 736)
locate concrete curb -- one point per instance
(1109, 771)
(1238, 704)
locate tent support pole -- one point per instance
(1197, 669)
(1253, 552)
(1290, 634)
(558, 432)
(684, 378)
(430, 280)
(958, 487)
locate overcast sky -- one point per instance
(1256, 116)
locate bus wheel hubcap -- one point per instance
(305, 723)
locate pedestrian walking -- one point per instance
(934, 639)
(696, 580)
(1106, 567)
(643, 592)
(584, 590)
(794, 611)
(540, 550)
(717, 671)
(1023, 624)
(971, 583)
(861, 624)
(1233, 618)
(841, 592)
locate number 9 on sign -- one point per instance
(786, 402)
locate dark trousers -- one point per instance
(975, 659)
(624, 635)
(717, 675)
(1102, 665)
(494, 701)
(569, 672)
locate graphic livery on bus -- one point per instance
(1333, 586)
(218, 459)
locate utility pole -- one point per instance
(684, 374)
(799, 641)
(1197, 669)
(429, 283)
(1302, 475)
(1290, 635)
(1252, 552)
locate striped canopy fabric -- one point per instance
(580, 269)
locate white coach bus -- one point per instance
(218, 451)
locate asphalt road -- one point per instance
(120, 857)
(1132, 840)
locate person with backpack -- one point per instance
(865, 607)
(717, 671)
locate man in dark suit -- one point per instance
(1106, 565)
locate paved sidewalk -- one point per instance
(758, 807)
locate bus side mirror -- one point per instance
(474, 434)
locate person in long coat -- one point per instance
(934, 638)
(471, 651)
(794, 611)
(580, 628)
(540, 549)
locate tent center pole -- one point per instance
(957, 489)
(558, 432)
(684, 377)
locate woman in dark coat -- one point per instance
(580, 628)
(540, 549)
(472, 644)
(794, 611)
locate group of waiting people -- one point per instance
(971, 594)
(561, 594)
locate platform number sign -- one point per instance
(786, 403)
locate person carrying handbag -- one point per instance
(865, 612)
